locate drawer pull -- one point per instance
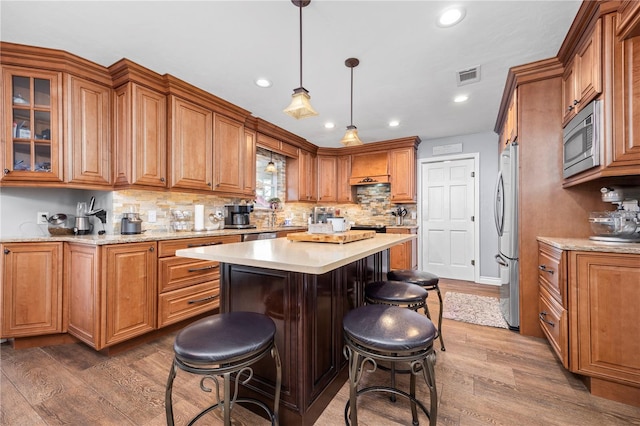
(204, 244)
(542, 316)
(205, 299)
(544, 268)
(204, 268)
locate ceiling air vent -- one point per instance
(468, 76)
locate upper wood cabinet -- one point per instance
(191, 145)
(402, 168)
(250, 163)
(582, 79)
(302, 183)
(510, 131)
(31, 291)
(140, 130)
(327, 178)
(344, 189)
(32, 125)
(229, 155)
(88, 132)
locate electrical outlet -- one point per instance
(151, 216)
(42, 218)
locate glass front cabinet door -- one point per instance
(32, 146)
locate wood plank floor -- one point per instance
(487, 376)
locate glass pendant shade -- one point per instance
(271, 168)
(300, 106)
(351, 137)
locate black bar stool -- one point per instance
(396, 293)
(217, 347)
(425, 280)
(374, 333)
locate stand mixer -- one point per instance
(621, 225)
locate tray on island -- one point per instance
(338, 237)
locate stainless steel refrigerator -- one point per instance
(506, 217)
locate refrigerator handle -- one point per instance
(498, 211)
(501, 261)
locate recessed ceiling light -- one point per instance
(460, 98)
(394, 123)
(263, 82)
(329, 125)
(451, 16)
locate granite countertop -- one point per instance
(295, 256)
(585, 244)
(99, 240)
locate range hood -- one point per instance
(369, 169)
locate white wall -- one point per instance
(487, 145)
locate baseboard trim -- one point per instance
(489, 280)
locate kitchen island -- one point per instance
(306, 288)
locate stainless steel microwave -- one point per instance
(581, 140)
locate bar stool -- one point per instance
(217, 347)
(425, 280)
(374, 333)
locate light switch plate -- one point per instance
(151, 216)
(42, 218)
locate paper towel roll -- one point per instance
(198, 221)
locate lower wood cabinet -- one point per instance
(405, 255)
(589, 312)
(187, 287)
(111, 290)
(31, 294)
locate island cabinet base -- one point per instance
(308, 311)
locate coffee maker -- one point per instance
(236, 216)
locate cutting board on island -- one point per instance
(337, 238)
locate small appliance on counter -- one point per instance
(321, 214)
(399, 213)
(236, 216)
(621, 225)
(61, 224)
(83, 224)
(131, 224)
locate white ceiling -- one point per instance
(407, 68)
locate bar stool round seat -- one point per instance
(218, 347)
(396, 293)
(380, 332)
(426, 280)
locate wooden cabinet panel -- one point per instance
(33, 154)
(31, 294)
(554, 324)
(405, 255)
(327, 178)
(344, 189)
(177, 305)
(88, 136)
(302, 183)
(191, 143)
(178, 272)
(141, 137)
(402, 168)
(128, 290)
(249, 163)
(369, 168)
(605, 331)
(82, 284)
(229, 146)
(551, 272)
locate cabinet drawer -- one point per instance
(177, 305)
(553, 321)
(168, 248)
(178, 272)
(551, 264)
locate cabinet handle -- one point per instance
(205, 299)
(161, 179)
(204, 268)
(215, 243)
(208, 183)
(7, 251)
(544, 268)
(152, 249)
(576, 102)
(542, 316)
(570, 108)
(6, 171)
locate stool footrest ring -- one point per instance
(386, 389)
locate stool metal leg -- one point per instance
(428, 372)
(167, 396)
(442, 348)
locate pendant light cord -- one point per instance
(351, 96)
(300, 7)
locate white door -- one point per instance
(447, 218)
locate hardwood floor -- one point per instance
(487, 376)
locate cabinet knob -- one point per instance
(576, 102)
(6, 171)
(208, 183)
(161, 179)
(7, 251)
(152, 249)
(570, 108)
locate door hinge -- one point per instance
(473, 263)
(473, 218)
(473, 174)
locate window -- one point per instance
(269, 185)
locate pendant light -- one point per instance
(300, 106)
(351, 137)
(271, 167)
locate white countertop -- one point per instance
(295, 256)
